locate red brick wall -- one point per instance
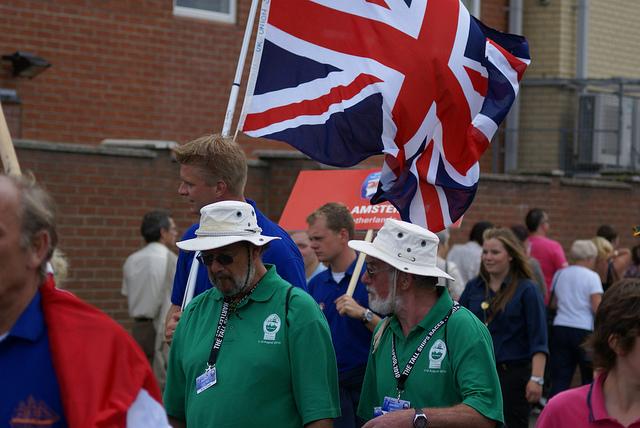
(128, 69)
(121, 69)
(102, 199)
(576, 207)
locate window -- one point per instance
(473, 6)
(215, 10)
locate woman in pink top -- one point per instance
(613, 398)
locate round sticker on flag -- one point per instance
(370, 185)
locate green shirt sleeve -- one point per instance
(314, 373)
(174, 392)
(474, 363)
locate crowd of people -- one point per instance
(250, 324)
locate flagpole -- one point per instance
(226, 128)
(355, 276)
(235, 87)
(10, 163)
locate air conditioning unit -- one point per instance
(598, 123)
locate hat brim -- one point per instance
(203, 243)
(370, 249)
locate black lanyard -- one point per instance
(217, 341)
(401, 378)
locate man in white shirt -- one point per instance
(467, 256)
(148, 277)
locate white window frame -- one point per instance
(191, 12)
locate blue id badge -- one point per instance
(391, 404)
(206, 379)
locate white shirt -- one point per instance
(455, 287)
(467, 258)
(147, 281)
(573, 287)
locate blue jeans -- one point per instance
(566, 354)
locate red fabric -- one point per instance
(100, 368)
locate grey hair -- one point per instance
(583, 249)
(37, 213)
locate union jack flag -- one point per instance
(421, 81)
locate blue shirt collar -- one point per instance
(348, 273)
(30, 324)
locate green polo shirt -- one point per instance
(456, 366)
(268, 373)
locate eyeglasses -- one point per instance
(371, 272)
(207, 259)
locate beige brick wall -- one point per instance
(550, 30)
(614, 39)
(614, 51)
(546, 118)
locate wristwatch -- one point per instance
(537, 379)
(420, 420)
(367, 316)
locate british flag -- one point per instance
(421, 81)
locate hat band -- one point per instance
(410, 258)
(245, 232)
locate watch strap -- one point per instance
(420, 419)
(537, 379)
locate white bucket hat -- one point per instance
(405, 246)
(225, 223)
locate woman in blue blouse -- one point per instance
(510, 304)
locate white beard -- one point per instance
(388, 305)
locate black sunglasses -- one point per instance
(207, 259)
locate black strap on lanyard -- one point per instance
(401, 378)
(217, 341)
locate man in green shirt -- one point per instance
(431, 361)
(253, 350)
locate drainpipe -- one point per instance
(582, 44)
(582, 41)
(512, 130)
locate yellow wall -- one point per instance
(550, 30)
(614, 39)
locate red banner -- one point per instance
(352, 187)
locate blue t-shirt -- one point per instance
(351, 337)
(283, 253)
(520, 330)
(30, 387)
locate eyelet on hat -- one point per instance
(423, 243)
(238, 214)
(400, 235)
(408, 250)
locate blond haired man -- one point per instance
(213, 169)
